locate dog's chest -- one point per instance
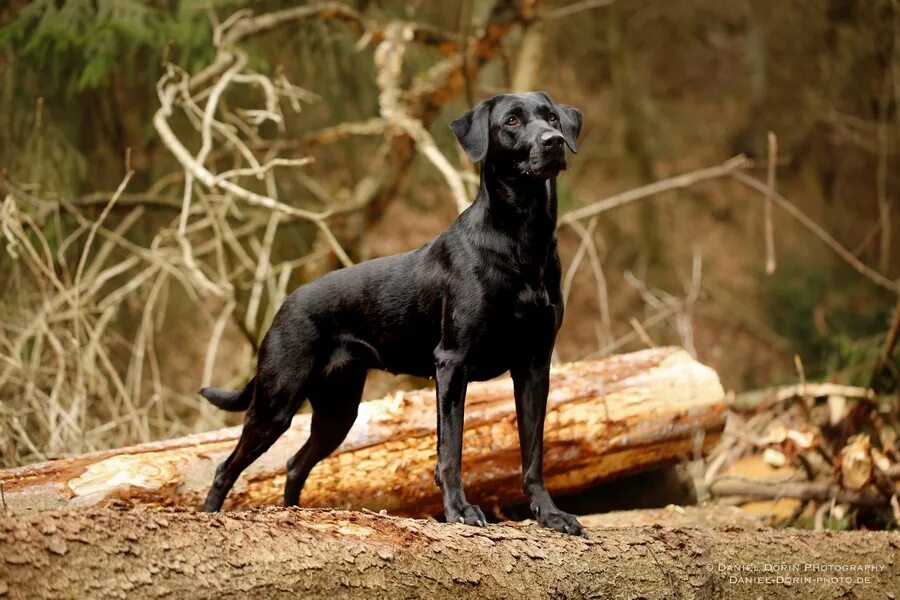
(512, 331)
(524, 316)
(530, 301)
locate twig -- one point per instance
(770, 230)
(335, 133)
(684, 320)
(881, 171)
(641, 332)
(666, 185)
(577, 258)
(817, 230)
(821, 491)
(818, 390)
(389, 60)
(587, 240)
(202, 174)
(577, 7)
(212, 348)
(626, 339)
(737, 309)
(732, 168)
(262, 270)
(890, 342)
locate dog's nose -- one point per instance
(552, 140)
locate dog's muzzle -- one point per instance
(548, 156)
(552, 142)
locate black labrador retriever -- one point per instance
(481, 299)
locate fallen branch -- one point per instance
(758, 400)
(822, 491)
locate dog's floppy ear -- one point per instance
(473, 131)
(570, 119)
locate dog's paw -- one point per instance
(561, 521)
(468, 514)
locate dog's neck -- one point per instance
(523, 211)
(514, 199)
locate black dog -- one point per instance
(480, 299)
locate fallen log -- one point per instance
(605, 419)
(308, 553)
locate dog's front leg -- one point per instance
(450, 373)
(531, 385)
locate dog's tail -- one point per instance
(231, 400)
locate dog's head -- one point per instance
(525, 133)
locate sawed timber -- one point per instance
(605, 419)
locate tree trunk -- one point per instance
(605, 419)
(292, 553)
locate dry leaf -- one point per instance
(881, 461)
(805, 439)
(856, 463)
(839, 511)
(774, 457)
(837, 409)
(777, 433)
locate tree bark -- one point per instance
(275, 553)
(605, 419)
(705, 516)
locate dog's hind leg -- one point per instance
(335, 404)
(266, 420)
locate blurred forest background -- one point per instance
(261, 144)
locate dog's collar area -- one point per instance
(527, 201)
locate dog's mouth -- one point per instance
(545, 169)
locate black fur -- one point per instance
(233, 401)
(481, 299)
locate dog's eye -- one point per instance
(552, 118)
(512, 121)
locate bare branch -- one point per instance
(818, 231)
(767, 217)
(666, 185)
(577, 7)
